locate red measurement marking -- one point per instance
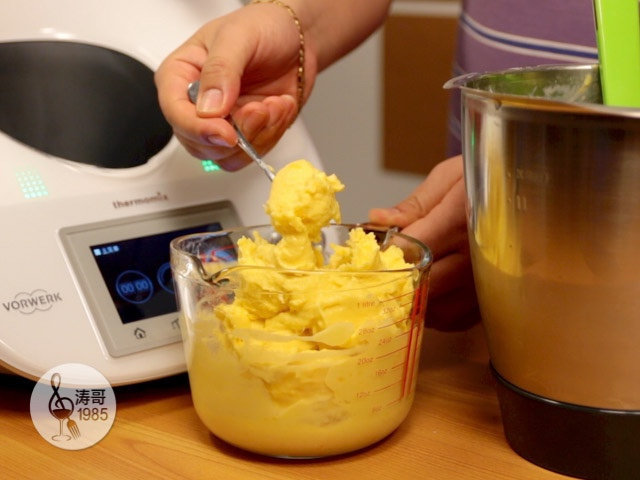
(398, 297)
(392, 352)
(397, 366)
(417, 324)
(381, 389)
(397, 400)
(379, 408)
(404, 319)
(416, 317)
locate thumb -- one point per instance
(221, 75)
(403, 214)
(424, 198)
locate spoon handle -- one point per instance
(243, 143)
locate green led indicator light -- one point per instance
(31, 184)
(209, 166)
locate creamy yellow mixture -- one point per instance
(312, 363)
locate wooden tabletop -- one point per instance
(454, 431)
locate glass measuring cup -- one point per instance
(323, 363)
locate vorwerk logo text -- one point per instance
(27, 303)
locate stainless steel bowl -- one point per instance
(553, 184)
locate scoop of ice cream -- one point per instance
(302, 200)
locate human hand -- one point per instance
(435, 214)
(247, 64)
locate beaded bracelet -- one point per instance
(300, 73)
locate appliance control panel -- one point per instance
(122, 268)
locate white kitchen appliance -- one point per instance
(93, 186)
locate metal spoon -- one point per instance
(243, 143)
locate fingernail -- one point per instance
(218, 141)
(291, 100)
(210, 100)
(387, 210)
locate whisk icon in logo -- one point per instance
(73, 406)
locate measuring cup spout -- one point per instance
(459, 81)
(186, 264)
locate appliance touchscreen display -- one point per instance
(137, 273)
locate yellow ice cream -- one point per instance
(303, 200)
(313, 356)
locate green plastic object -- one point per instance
(618, 37)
